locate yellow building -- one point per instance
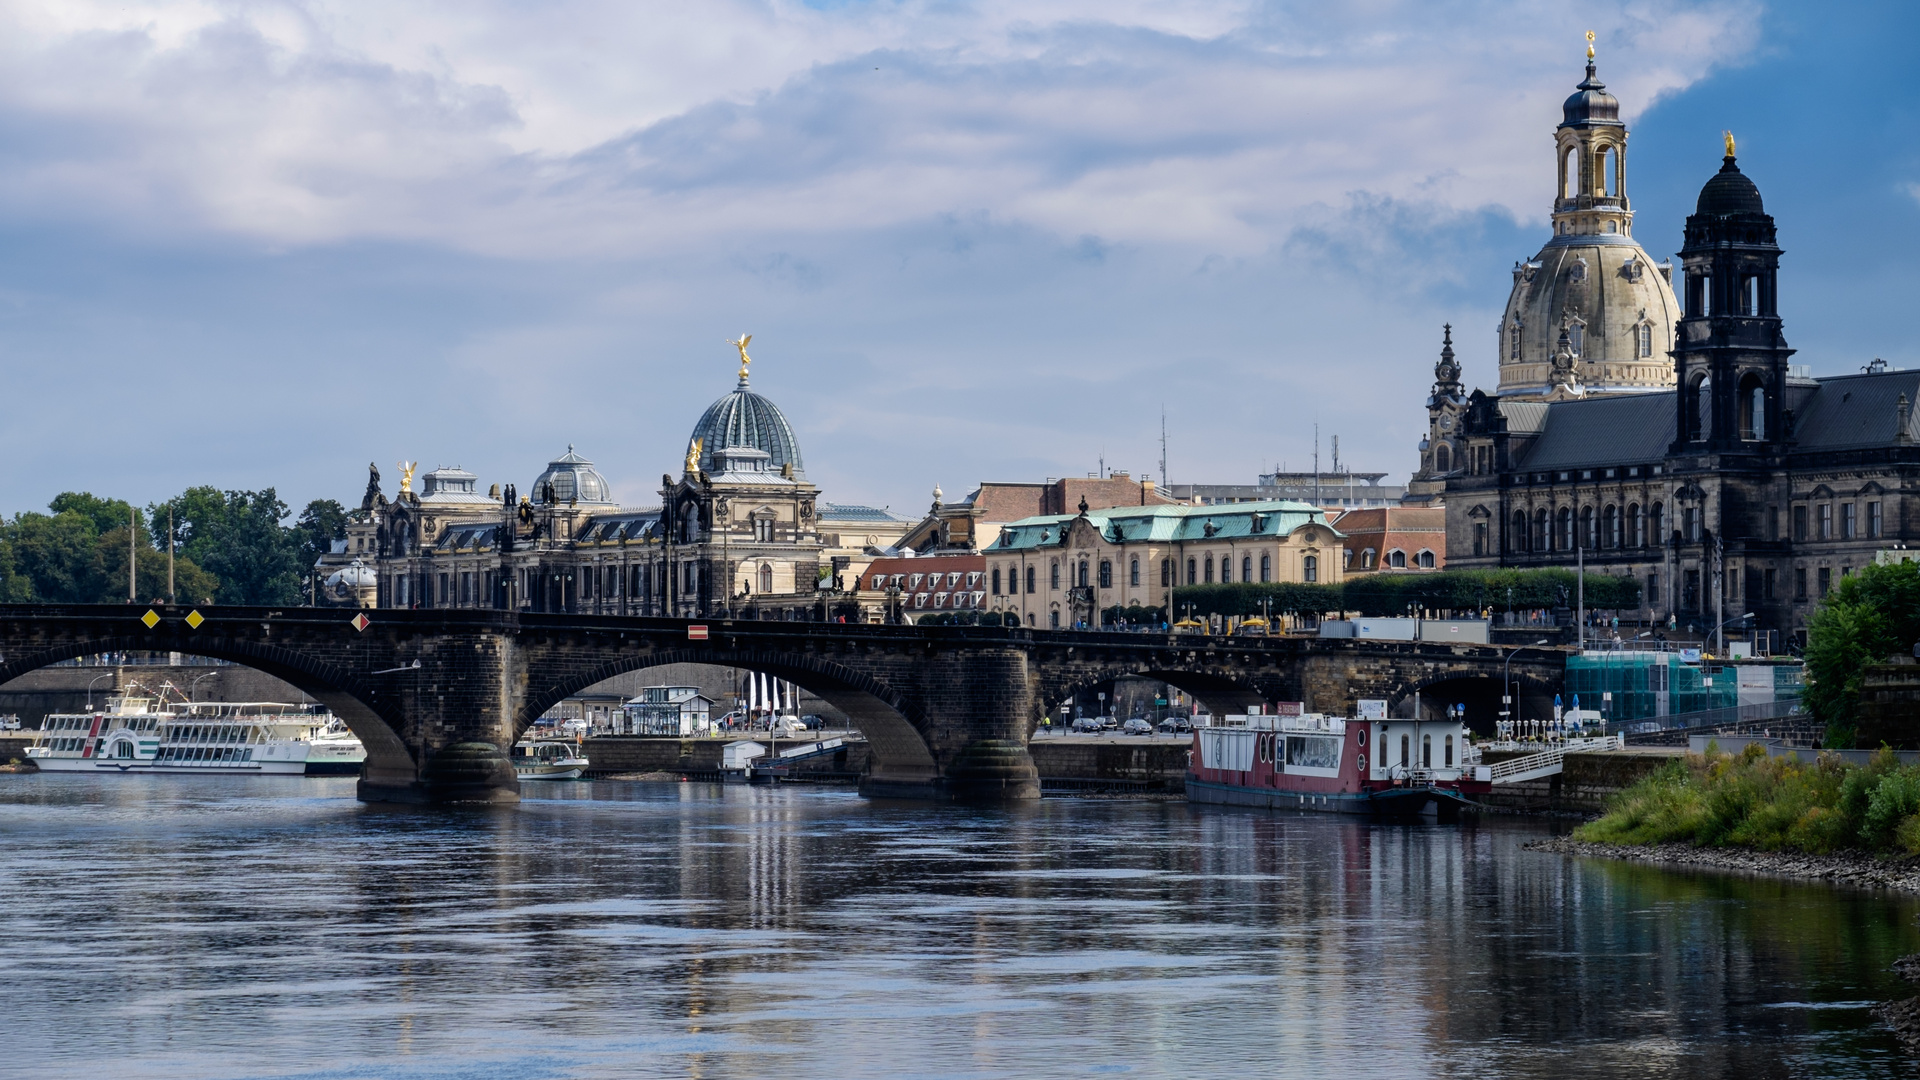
(1062, 570)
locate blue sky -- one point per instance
(262, 243)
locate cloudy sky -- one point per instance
(262, 242)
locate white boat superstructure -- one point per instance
(547, 759)
(135, 734)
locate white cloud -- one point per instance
(536, 130)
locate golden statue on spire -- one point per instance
(406, 476)
(741, 344)
(1728, 135)
(1589, 44)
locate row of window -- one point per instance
(1200, 570)
(205, 753)
(1396, 559)
(1608, 529)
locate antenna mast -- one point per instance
(1316, 464)
(1163, 452)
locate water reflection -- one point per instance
(183, 927)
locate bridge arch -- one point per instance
(891, 721)
(376, 724)
(1221, 690)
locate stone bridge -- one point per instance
(437, 695)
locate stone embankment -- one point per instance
(1843, 868)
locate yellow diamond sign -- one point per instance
(194, 619)
(152, 620)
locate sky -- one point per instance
(253, 243)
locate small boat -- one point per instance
(547, 759)
(1314, 762)
(332, 750)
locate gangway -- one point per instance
(1544, 763)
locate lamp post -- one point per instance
(1506, 683)
(90, 683)
(195, 684)
(1723, 622)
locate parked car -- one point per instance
(1136, 726)
(1176, 725)
(1090, 724)
(814, 721)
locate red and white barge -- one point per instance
(1314, 762)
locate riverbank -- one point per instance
(1859, 868)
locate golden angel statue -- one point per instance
(693, 457)
(741, 344)
(406, 476)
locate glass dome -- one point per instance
(744, 418)
(574, 481)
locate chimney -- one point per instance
(1146, 489)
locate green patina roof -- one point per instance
(1166, 524)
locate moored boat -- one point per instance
(547, 759)
(1313, 762)
(136, 734)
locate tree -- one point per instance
(238, 537)
(319, 525)
(55, 555)
(1871, 617)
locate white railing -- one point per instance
(1530, 767)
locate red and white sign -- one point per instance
(360, 622)
(696, 633)
(1289, 708)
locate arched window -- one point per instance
(1588, 539)
(1193, 572)
(1106, 573)
(1539, 530)
(1246, 568)
(1083, 573)
(1166, 573)
(1570, 174)
(1699, 411)
(1397, 559)
(1226, 568)
(1030, 575)
(1656, 524)
(766, 578)
(1610, 527)
(1645, 337)
(1563, 530)
(1208, 569)
(1636, 534)
(1310, 568)
(1442, 459)
(1608, 180)
(1053, 575)
(1133, 575)
(996, 581)
(1266, 568)
(1517, 536)
(1753, 408)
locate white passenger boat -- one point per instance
(547, 759)
(332, 750)
(143, 735)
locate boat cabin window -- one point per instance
(1405, 741)
(1449, 753)
(1426, 751)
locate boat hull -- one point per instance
(571, 772)
(1390, 802)
(117, 767)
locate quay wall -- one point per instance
(1584, 784)
(1159, 764)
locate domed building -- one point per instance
(1591, 312)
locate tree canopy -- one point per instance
(1870, 618)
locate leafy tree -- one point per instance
(319, 525)
(105, 514)
(192, 585)
(1872, 616)
(238, 537)
(56, 555)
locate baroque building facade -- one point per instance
(737, 534)
(1739, 496)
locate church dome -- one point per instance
(1729, 192)
(745, 419)
(1590, 103)
(574, 480)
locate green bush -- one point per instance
(1772, 804)
(1870, 617)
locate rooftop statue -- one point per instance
(741, 344)
(406, 476)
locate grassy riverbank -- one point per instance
(1769, 804)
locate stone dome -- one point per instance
(745, 419)
(1616, 307)
(1729, 192)
(574, 480)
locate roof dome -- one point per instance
(744, 418)
(1729, 192)
(354, 576)
(574, 480)
(1590, 103)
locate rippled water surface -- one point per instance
(216, 927)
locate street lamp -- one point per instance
(1506, 683)
(196, 682)
(95, 679)
(1721, 647)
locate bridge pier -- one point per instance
(463, 772)
(979, 710)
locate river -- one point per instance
(235, 927)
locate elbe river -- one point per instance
(238, 927)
